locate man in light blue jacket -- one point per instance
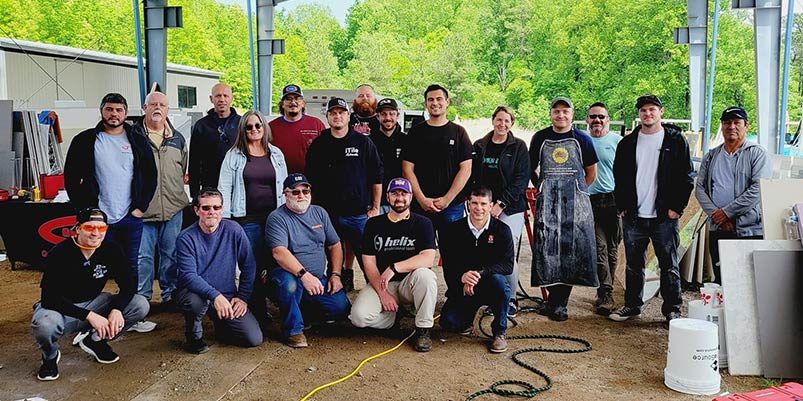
(728, 184)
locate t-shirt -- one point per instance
(722, 185)
(294, 139)
(393, 242)
(491, 175)
(260, 187)
(587, 151)
(648, 152)
(389, 148)
(114, 171)
(364, 125)
(606, 153)
(305, 235)
(437, 153)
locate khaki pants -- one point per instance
(419, 288)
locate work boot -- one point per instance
(422, 341)
(605, 304)
(499, 344)
(297, 341)
(347, 279)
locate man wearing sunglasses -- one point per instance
(301, 237)
(75, 273)
(209, 254)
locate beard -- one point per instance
(400, 207)
(364, 108)
(109, 124)
(297, 206)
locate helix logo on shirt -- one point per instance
(100, 271)
(389, 244)
(352, 152)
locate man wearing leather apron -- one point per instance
(564, 251)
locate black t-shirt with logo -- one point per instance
(393, 242)
(491, 176)
(364, 125)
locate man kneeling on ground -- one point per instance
(398, 252)
(209, 253)
(75, 273)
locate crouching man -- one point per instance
(75, 273)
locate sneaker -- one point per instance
(467, 331)
(672, 316)
(624, 313)
(558, 314)
(513, 308)
(499, 344)
(142, 326)
(297, 341)
(196, 346)
(49, 369)
(99, 349)
(78, 337)
(605, 305)
(347, 279)
(422, 341)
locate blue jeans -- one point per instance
(494, 290)
(638, 232)
(127, 233)
(49, 325)
(446, 216)
(287, 291)
(350, 229)
(161, 234)
(243, 331)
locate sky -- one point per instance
(339, 7)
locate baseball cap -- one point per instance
(386, 103)
(292, 90)
(294, 180)
(734, 112)
(400, 183)
(648, 99)
(561, 99)
(336, 103)
(90, 214)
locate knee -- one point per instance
(426, 277)
(46, 323)
(253, 338)
(191, 303)
(363, 315)
(283, 283)
(137, 308)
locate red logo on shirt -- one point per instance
(490, 239)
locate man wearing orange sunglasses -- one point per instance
(72, 299)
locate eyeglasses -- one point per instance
(249, 127)
(89, 228)
(207, 208)
(597, 116)
(296, 192)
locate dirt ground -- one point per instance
(626, 362)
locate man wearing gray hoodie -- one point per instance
(728, 184)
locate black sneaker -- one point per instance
(49, 369)
(99, 349)
(672, 316)
(196, 346)
(347, 279)
(624, 313)
(513, 308)
(422, 341)
(559, 314)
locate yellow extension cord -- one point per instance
(357, 369)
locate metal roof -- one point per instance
(46, 49)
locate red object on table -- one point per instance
(51, 185)
(785, 392)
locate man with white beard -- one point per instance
(301, 236)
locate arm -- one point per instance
(188, 276)
(225, 183)
(408, 171)
(459, 182)
(761, 167)
(505, 255)
(126, 281)
(285, 259)
(52, 283)
(517, 182)
(194, 170)
(376, 196)
(701, 185)
(248, 266)
(74, 166)
(684, 176)
(535, 159)
(591, 173)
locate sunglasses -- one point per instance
(249, 127)
(207, 208)
(296, 192)
(88, 228)
(597, 116)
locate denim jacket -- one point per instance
(232, 185)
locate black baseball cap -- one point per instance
(292, 90)
(648, 99)
(734, 112)
(337, 103)
(91, 214)
(294, 180)
(387, 103)
(561, 99)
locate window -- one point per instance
(186, 97)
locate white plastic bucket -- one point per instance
(692, 360)
(698, 310)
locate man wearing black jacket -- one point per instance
(75, 273)
(653, 180)
(477, 256)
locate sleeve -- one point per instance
(53, 282)
(517, 183)
(225, 183)
(466, 148)
(476, 165)
(761, 167)
(425, 235)
(504, 250)
(73, 170)
(329, 228)
(247, 263)
(188, 276)
(589, 153)
(368, 246)
(619, 176)
(184, 153)
(683, 174)
(194, 169)
(276, 232)
(311, 169)
(126, 282)
(701, 191)
(375, 171)
(535, 157)
(147, 168)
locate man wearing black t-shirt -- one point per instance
(398, 251)
(364, 119)
(437, 161)
(389, 141)
(76, 270)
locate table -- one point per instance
(30, 229)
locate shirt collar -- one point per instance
(475, 231)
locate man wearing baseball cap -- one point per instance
(653, 179)
(294, 130)
(728, 184)
(398, 255)
(389, 140)
(301, 236)
(76, 270)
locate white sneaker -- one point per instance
(80, 336)
(143, 326)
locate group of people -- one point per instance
(282, 204)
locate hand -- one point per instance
(99, 323)
(116, 323)
(312, 284)
(389, 303)
(468, 290)
(428, 205)
(672, 215)
(223, 307)
(441, 203)
(622, 213)
(727, 226)
(334, 285)
(373, 211)
(387, 275)
(239, 307)
(137, 213)
(471, 277)
(719, 217)
(496, 210)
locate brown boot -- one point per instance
(422, 341)
(605, 305)
(297, 340)
(499, 344)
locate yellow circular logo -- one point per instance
(560, 155)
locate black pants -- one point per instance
(714, 248)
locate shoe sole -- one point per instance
(620, 318)
(497, 351)
(132, 329)
(51, 378)
(90, 352)
(304, 345)
(78, 337)
(198, 351)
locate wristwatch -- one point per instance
(301, 273)
(392, 268)
(502, 204)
